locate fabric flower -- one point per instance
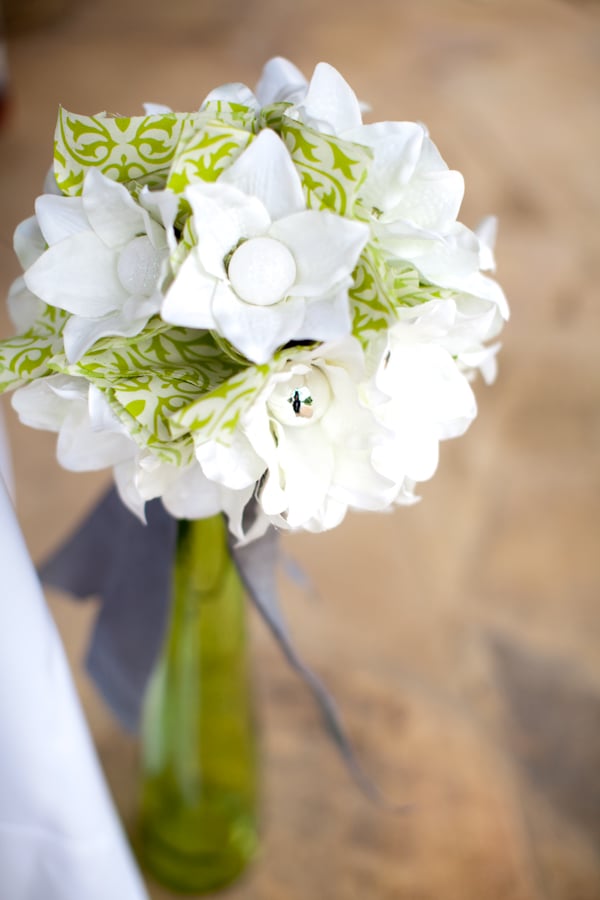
(280, 82)
(103, 262)
(307, 440)
(410, 197)
(418, 394)
(265, 270)
(91, 437)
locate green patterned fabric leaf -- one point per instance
(206, 153)
(371, 305)
(135, 150)
(406, 288)
(28, 356)
(235, 114)
(217, 414)
(272, 116)
(150, 378)
(332, 170)
(381, 286)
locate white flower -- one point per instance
(419, 394)
(410, 195)
(103, 262)
(308, 441)
(265, 270)
(185, 491)
(91, 437)
(280, 82)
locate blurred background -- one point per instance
(461, 638)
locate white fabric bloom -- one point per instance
(308, 442)
(265, 270)
(280, 82)
(410, 195)
(185, 491)
(419, 394)
(91, 437)
(103, 262)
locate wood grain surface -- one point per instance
(461, 638)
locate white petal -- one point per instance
(487, 232)
(330, 103)
(234, 506)
(222, 215)
(124, 476)
(189, 299)
(60, 217)
(306, 458)
(111, 210)
(413, 453)
(192, 495)
(280, 82)
(79, 333)
(50, 185)
(23, 306)
(28, 242)
(431, 200)
(257, 331)
(357, 484)
(38, 406)
(443, 259)
(139, 266)
(235, 466)
(236, 92)
(327, 318)
(265, 170)
(156, 109)
(326, 248)
(80, 448)
(102, 416)
(164, 205)
(481, 285)
(79, 274)
(397, 147)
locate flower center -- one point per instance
(138, 267)
(302, 400)
(261, 271)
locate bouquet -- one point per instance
(267, 312)
(265, 300)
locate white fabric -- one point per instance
(5, 463)
(60, 838)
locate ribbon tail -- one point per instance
(128, 565)
(257, 564)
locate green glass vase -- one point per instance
(198, 805)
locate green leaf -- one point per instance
(153, 376)
(215, 416)
(372, 307)
(206, 154)
(28, 356)
(332, 170)
(139, 149)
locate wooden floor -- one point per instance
(462, 637)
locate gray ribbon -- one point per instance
(128, 566)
